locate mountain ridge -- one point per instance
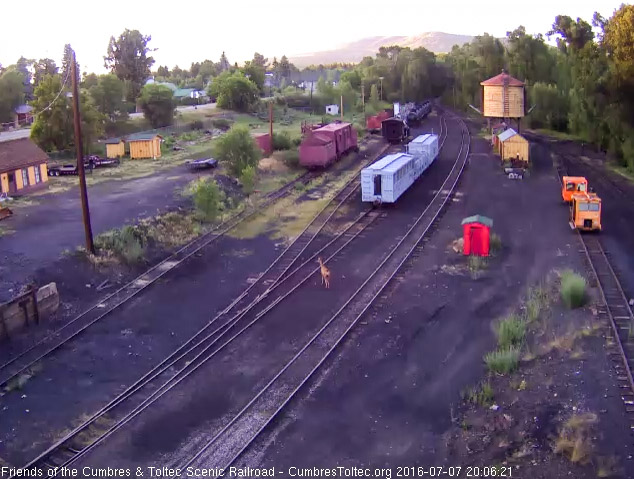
(353, 52)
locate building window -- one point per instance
(38, 179)
(25, 177)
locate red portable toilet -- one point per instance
(476, 232)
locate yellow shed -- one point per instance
(145, 145)
(503, 97)
(115, 148)
(513, 146)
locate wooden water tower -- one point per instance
(504, 98)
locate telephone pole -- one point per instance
(80, 161)
(362, 97)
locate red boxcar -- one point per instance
(343, 136)
(373, 123)
(264, 142)
(317, 150)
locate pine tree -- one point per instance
(67, 61)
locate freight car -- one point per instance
(317, 151)
(395, 130)
(388, 178)
(343, 136)
(373, 123)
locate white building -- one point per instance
(332, 110)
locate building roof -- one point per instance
(486, 221)
(23, 109)
(498, 80)
(332, 127)
(112, 141)
(391, 163)
(506, 134)
(316, 140)
(143, 136)
(183, 92)
(16, 154)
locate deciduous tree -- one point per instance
(11, 94)
(157, 102)
(127, 57)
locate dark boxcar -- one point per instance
(394, 130)
(343, 136)
(316, 151)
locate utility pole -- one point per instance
(341, 107)
(80, 161)
(271, 126)
(363, 97)
(381, 78)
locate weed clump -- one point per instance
(503, 361)
(575, 438)
(126, 243)
(510, 332)
(248, 178)
(572, 289)
(495, 243)
(477, 263)
(482, 395)
(536, 302)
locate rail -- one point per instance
(182, 362)
(615, 307)
(331, 334)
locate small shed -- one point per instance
(23, 115)
(476, 231)
(115, 148)
(332, 110)
(503, 97)
(145, 145)
(513, 146)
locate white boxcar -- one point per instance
(387, 179)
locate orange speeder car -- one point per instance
(572, 185)
(585, 212)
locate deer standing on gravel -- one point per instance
(325, 273)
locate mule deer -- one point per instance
(325, 273)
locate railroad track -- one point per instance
(268, 290)
(280, 390)
(273, 286)
(27, 359)
(615, 310)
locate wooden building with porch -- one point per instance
(145, 145)
(22, 167)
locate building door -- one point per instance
(477, 248)
(12, 186)
(377, 185)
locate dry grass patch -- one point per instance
(575, 438)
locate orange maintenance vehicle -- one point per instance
(585, 212)
(572, 185)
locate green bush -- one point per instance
(503, 361)
(573, 289)
(291, 158)
(281, 141)
(297, 141)
(238, 150)
(221, 123)
(510, 332)
(196, 125)
(208, 198)
(168, 142)
(126, 243)
(247, 178)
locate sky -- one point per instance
(191, 31)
